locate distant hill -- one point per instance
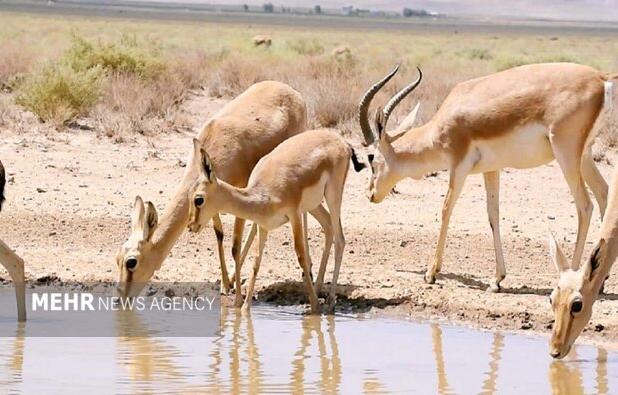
(602, 10)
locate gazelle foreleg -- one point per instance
(456, 181)
(262, 236)
(334, 195)
(15, 266)
(492, 187)
(225, 280)
(568, 153)
(323, 217)
(240, 261)
(299, 245)
(306, 231)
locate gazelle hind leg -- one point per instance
(15, 266)
(492, 187)
(456, 182)
(301, 254)
(248, 243)
(323, 217)
(262, 236)
(225, 280)
(568, 153)
(595, 181)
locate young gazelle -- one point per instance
(521, 118)
(578, 288)
(290, 181)
(13, 263)
(243, 131)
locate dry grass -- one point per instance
(149, 67)
(14, 62)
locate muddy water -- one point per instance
(283, 351)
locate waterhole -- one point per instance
(277, 350)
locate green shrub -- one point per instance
(124, 56)
(58, 93)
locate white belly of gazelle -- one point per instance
(525, 147)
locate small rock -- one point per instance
(170, 293)
(551, 217)
(41, 190)
(599, 328)
(526, 326)
(403, 243)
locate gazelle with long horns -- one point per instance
(12, 262)
(293, 179)
(522, 117)
(578, 288)
(242, 132)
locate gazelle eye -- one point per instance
(199, 201)
(576, 306)
(131, 264)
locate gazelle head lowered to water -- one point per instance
(385, 162)
(134, 270)
(573, 297)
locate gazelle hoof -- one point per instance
(430, 278)
(494, 288)
(330, 304)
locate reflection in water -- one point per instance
(330, 364)
(15, 358)
(274, 352)
(565, 377)
(489, 385)
(147, 358)
(436, 336)
(602, 384)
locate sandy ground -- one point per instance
(70, 196)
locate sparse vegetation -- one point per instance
(15, 61)
(304, 46)
(57, 93)
(143, 70)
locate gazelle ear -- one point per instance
(409, 121)
(151, 220)
(137, 218)
(203, 162)
(207, 168)
(557, 255)
(597, 257)
(380, 124)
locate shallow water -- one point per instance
(281, 351)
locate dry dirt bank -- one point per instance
(70, 195)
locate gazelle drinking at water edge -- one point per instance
(246, 129)
(521, 118)
(290, 181)
(12, 262)
(578, 288)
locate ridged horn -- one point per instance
(395, 100)
(363, 107)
